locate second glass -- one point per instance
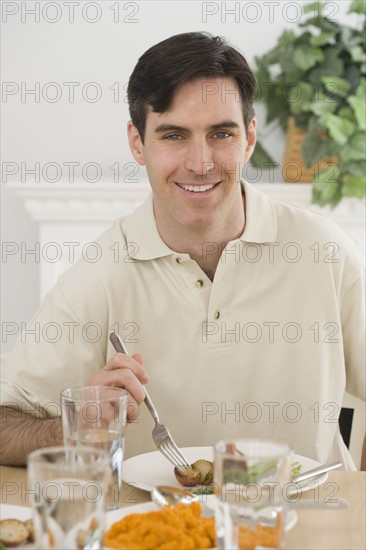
(250, 480)
(67, 489)
(96, 416)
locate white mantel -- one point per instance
(79, 212)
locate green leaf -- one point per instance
(355, 168)
(326, 186)
(355, 149)
(358, 104)
(300, 97)
(352, 73)
(272, 57)
(320, 22)
(263, 78)
(339, 128)
(357, 6)
(332, 65)
(336, 85)
(278, 109)
(260, 158)
(306, 58)
(359, 107)
(317, 198)
(286, 38)
(291, 72)
(346, 36)
(346, 112)
(354, 186)
(322, 38)
(358, 54)
(323, 104)
(314, 147)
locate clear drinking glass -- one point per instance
(250, 477)
(67, 488)
(96, 416)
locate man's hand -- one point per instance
(22, 433)
(124, 371)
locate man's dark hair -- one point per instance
(182, 58)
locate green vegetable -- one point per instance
(202, 490)
(295, 469)
(256, 472)
(236, 475)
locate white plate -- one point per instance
(9, 511)
(23, 513)
(150, 469)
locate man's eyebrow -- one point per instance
(175, 128)
(169, 128)
(225, 124)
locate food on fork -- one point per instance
(201, 473)
(175, 527)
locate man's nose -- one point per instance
(200, 159)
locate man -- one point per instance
(246, 312)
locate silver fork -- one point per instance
(161, 435)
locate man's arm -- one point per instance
(22, 433)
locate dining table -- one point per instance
(316, 529)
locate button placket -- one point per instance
(218, 314)
(198, 286)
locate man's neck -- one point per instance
(205, 246)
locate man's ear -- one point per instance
(251, 139)
(135, 142)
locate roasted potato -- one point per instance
(188, 478)
(201, 473)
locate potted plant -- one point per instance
(314, 83)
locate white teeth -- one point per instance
(197, 188)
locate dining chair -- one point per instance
(345, 424)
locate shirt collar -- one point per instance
(260, 216)
(140, 227)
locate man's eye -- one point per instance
(221, 135)
(173, 137)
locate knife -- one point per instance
(316, 471)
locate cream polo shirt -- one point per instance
(266, 349)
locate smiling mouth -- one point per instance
(198, 188)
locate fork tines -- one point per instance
(172, 453)
(167, 446)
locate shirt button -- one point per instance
(216, 314)
(179, 260)
(198, 283)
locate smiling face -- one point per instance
(194, 154)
